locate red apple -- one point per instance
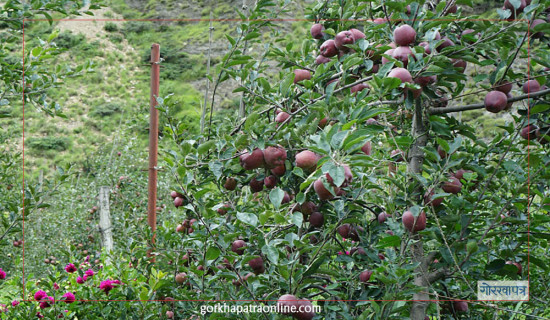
(317, 31)
(270, 182)
(357, 34)
(251, 161)
(402, 74)
(281, 117)
(452, 185)
(306, 159)
(460, 306)
(344, 230)
(285, 303)
(274, 156)
(230, 184)
(178, 202)
(300, 75)
(495, 101)
(342, 39)
(359, 87)
(459, 64)
(402, 54)
(424, 81)
(459, 174)
(408, 220)
(379, 21)
(531, 86)
(308, 208)
(426, 46)
(322, 192)
(428, 199)
(306, 308)
(388, 52)
(169, 314)
(446, 43)
(508, 5)
(256, 185)
(382, 217)
(279, 171)
(238, 247)
(535, 23)
(316, 219)
(257, 265)
(173, 194)
(321, 59)
(364, 276)
(181, 277)
(328, 49)
(223, 210)
(404, 35)
(503, 86)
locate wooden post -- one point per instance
(105, 227)
(203, 111)
(153, 139)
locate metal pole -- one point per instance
(153, 139)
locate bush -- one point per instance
(110, 27)
(68, 40)
(105, 110)
(48, 143)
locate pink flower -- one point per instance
(340, 253)
(85, 278)
(69, 297)
(106, 286)
(39, 295)
(80, 280)
(46, 302)
(14, 303)
(347, 252)
(2, 274)
(89, 273)
(116, 281)
(70, 268)
(87, 259)
(56, 286)
(39, 316)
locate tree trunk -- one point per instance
(105, 227)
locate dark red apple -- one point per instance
(223, 210)
(402, 74)
(426, 46)
(542, 136)
(274, 157)
(344, 230)
(173, 194)
(460, 306)
(230, 184)
(342, 39)
(308, 208)
(257, 265)
(531, 86)
(364, 276)
(316, 219)
(279, 171)
(238, 247)
(388, 52)
(408, 220)
(251, 161)
(306, 159)
(305, 310)
(317, 31)
(424, 81)
(495, 101)
(328, 49)
(459, 174)
(452, 185)
(459, 64)
(452, 9)
(379, 21)
(446, 43)
(428, 199)
(382, 217)
(180, 228)
(503, 86)
(256, 185)
(322, 192)
(270, 182)
(404, 35)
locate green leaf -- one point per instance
(271, 253)
(231, 40)
(212, 253)
(539, 108)
(252, 35)
(205, 147)
(251, 120)
(297, 218)
(286, 83)
(276, 197)
(315, 265)
(391, 241)
(337, 173)
(248, 218)
(338, 139)
(216, 168)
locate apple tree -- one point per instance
(353, 177)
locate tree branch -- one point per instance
(433, 111)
